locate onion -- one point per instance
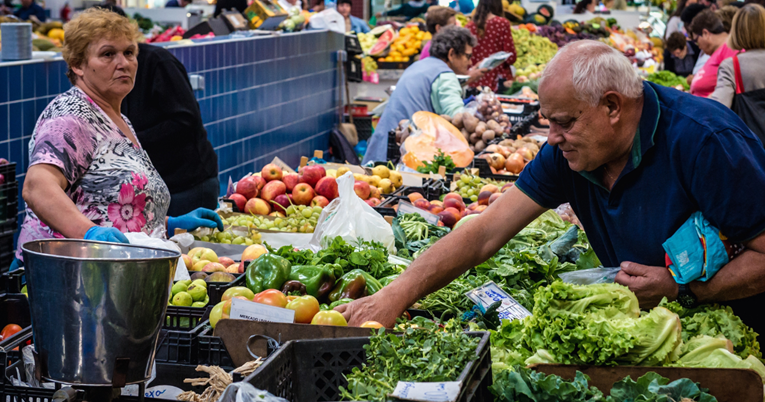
(492, 148)
(497, 161)
(514, 163)
(525, 153)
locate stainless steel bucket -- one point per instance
(97, 308)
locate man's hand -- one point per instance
(650, 284)
(369, 308)
(476, 74)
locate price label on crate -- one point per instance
(427, 391)
(490, 293)
(407, 208)
(251, 311)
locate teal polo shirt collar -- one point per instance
(644, 137)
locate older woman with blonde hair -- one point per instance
(741, 79)
(88, 177)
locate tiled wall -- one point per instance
(263, 97)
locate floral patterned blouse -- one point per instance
(497, 37)
(111, 180)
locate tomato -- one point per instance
(305, 308)
(9, 331)
(227, 304)
(329, 317)
(216, 314)
(291, 298)
(237, 291)
(371, 324)
(272, 297)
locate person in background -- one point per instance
(709, 31)
(413, 8)
(6, 7)
(429, 84)
(437, 18)
(726, 16)
(65, 12)
(177, 3)
(675, 23)
(635, 160)
(680, 55)
(747, 32)
(710, 4)
(689, 13)
(494, 35)
(28, 9)
(111, 5)
(585, 7)
(89, 177)
(351, 23)
(165, 115)
(463, 6)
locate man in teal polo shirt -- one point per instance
(635, 160)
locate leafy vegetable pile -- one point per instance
(667, 79)
(440, 159)
(371, 257)
(602, 325)
(413, 234)
(425, 352)
(535, 257)
(522, 385)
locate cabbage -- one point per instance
(716, 352)
(607, 299)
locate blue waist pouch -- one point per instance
(696, 251)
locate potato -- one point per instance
(465, 133)
(480, 128)
(447, 117)
(472, 147)
(495, 115)
(457, 121)
(504, 117)
(469, 122)
(474, 138)
(493, 125)
(488, 135)
(533, 147)
(503, 124)
(493, 148)
(480, 146)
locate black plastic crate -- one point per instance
(313, 370)
(177, 342)
(352, 45)
(354, 70)
(363, 126)
(12, 282)
(394, 150)
(212, 351)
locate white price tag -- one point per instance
(490, 293)
(407, 208)
(251, 311)
(427, 391)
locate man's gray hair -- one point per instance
(451, 37)
(597, 69)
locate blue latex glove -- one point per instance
(99, 233)
(200, 217)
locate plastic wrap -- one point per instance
(435, 133)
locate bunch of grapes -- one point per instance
(232, 237)
(469, 186)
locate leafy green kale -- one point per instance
(425, 352)
(370, 257)
(440, 159)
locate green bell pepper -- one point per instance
(324, 307)
(350, 286)
(388, 279)
(269, 271)
(373, 285)
(318, 280)
(339, 302)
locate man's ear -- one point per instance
(614, 101)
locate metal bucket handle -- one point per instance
(273, 345)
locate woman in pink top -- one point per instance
(437, 17)
(708, 30)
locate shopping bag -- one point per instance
(349, 217)
(696, 251)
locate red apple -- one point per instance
(261, 182)
(243, 265)
(327, 186)
(239, 200)
(373, 202)
(319, 201)
(247, 187)
(303, 194)
(281, 203)
(257, 206)
(271, 172)
(290, 180)
(272, 190)
(312, 174)
(225, 261)
(361, 188)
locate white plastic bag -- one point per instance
(590, 276)
(245, 392)
(349, 217)
(142, 239)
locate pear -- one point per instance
(381, 171)
(396, 178)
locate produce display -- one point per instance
(425, 352)
(406, 45)
(669, 79)
(602, 325)
(484, 125)
(511, 156)
(533, 53)
(188, 293)
(523, 384)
